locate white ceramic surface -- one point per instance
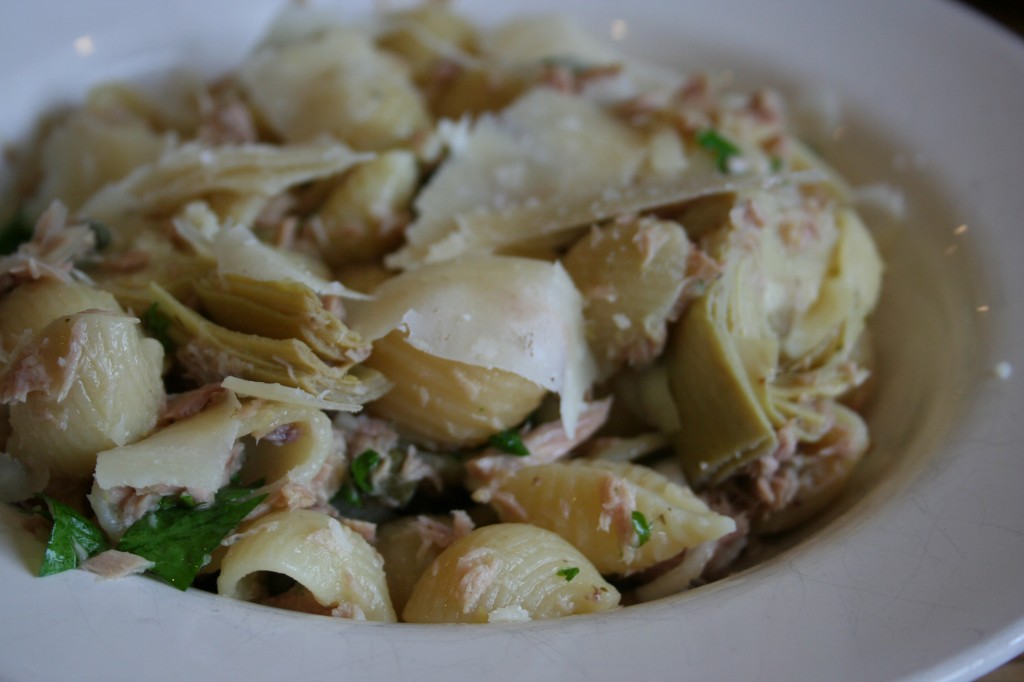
(918, 573)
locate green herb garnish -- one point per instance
(179, 539)
(509, 441)
(158, 325)
(348, 495)
(17, 231)
(101, 234)
(723, 149)
(642, 528)
(362, 469)
(73, 539)
(776, 164)
(568, 573)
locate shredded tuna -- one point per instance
(185, 405)
(129, 261)
(438, 534)
(774, 484)
(477, 571)
(362, 433)
(701, 270)
(415, 469)
(504, 501)
(281, 435)
(225, 121)
(572, 78)
(366, 529)
(261, 528)
(618, 502)
(349, 611)
(34, 370)
(546, 443)
(116, 564)
(51, 252)
(649, 240)
(290, 495)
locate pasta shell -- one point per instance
(88, 150)
(336, 83)
(33, 305)
(363, 217)
(631, 277)
(85, 383)
(446, 403)
(508, 571)
(340, 569)
(291, 445)
(592, 504)
(513, 314)
(410, 544)
(422, 35)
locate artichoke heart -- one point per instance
(771, 344)
(279, 309)
(211, 352)
(723, 423)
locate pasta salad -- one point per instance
(420, 321)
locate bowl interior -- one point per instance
(932, 336)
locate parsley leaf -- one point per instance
(568, 573)
(642, 528)
(157, 324)
(73, 539)
(17, 231)
(362, 469)
(101, 234)
(509, 441)
(348, 495)
(723, 149)
(178, 538)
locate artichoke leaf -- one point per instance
(211, 353)
(280, 309)
(723, 423)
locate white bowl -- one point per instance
(915, 574)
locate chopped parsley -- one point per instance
(509, 441)
(362, 469)
(711, 140)
(17, 231)
(179, 538)
(73, 539)
(569, 572)
(101, 234)
(348, 494)
(158, 325)
(776, 164)
(642, 528)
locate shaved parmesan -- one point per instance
(541, 149)
(284, 394)
(192, 453)
(519, 315)
(238, 251)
